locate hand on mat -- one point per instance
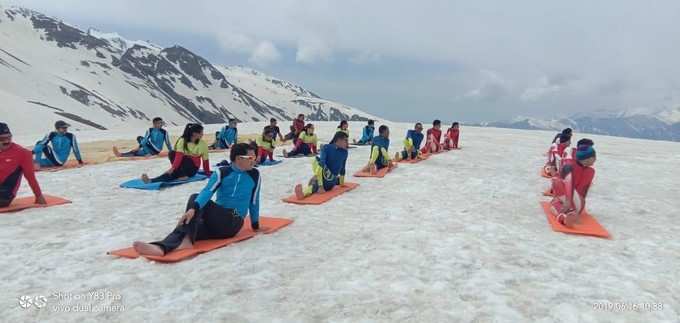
(40, 200)
(186, 217)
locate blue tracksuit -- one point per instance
(58, 152)
(227, 137)
(333, 159)
(367, 134)
(235, 189)
(153, 141)
(413, 140)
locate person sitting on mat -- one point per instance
(57, 146)
(367, 135)
(343, 127)
(434, 137)
(265, 144)
(571, 187)
(306, 143)
(290, 135)
(414, 138)
(556, 153)
(15, 161)
(380, 157)
(151, 143)
(452, 135)
(276, 130)
(328, 168)
(238, 194)
(227, 136)
(190, 149)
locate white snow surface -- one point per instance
(457, 238)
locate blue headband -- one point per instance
(585, 152)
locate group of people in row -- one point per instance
(572, 173)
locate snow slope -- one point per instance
(50, 70)
(458, 238)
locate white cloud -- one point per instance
(264, 54)
(310, 52)
(239, 43)
(491, 87)
(365, 58)
(543, 88)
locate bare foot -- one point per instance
(116, 152)
(570, 219)
(146, 179)
(298, 192)
(147, 249)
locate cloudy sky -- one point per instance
(406, 60)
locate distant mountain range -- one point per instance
(51, 70)
(660, 125)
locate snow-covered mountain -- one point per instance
(51, 70)
(657, 125)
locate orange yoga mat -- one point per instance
(23, 203)
(267, 225)
(379, 174)
(587, 224)
(415, 160)
(321, 198)
(68, 165)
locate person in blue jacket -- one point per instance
(227, 136)
(328, 167)
(56, 146)
(151, 143)
(380, 157)
(414, 138)
(237, 187)
(367, 134)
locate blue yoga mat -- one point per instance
(140, 185)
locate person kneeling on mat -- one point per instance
(329, 168)
(367, 135)
(227, 136)
(190, 149)
(151, 143)
(414, 138)
(238, 194)
(15, 161)
(56, 146)
(265, 144)
(571, 187)
(434, 137)
(305, 144)
(380, 157)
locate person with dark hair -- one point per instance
(380, 156)
(290, 135)
(151, 143)
(343, 127)
(414, 138)
(569, 156)
(186, 158)
(276, 131)
(299, 124)
(367, 134)
(306, 143)
(567, 131)
(57, 146)
(452, 135)
(237, 190)
(556, 153)
(227, 136)
(434, 137)
(265, 144)
(571, 187)
(15, 162)
(328, 168)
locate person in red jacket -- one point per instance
(571, 187)
(434, 137)
(452, 135)
(556, 153)
(15, 162)
(299, 125)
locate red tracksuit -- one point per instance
(452, 138)
(434, 136)
(15, 162)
